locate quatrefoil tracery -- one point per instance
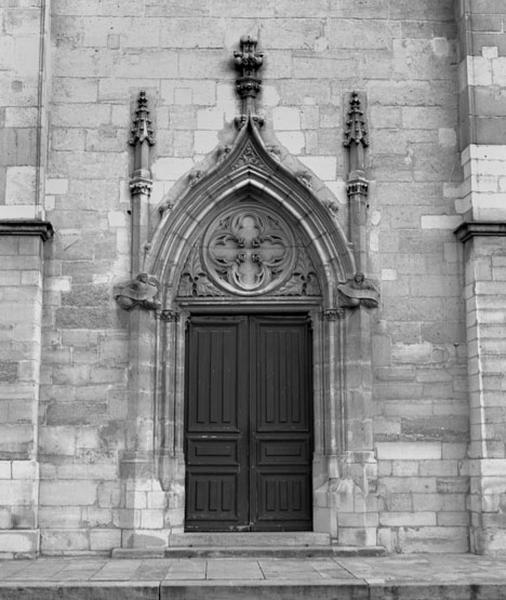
(248, 250)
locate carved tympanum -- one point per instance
(248, 250)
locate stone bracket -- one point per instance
(142, 291)
(468, 230)
(32, 227)
(358, 291)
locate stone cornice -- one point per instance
(20, 227)
(466, 231)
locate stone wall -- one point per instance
(416, 76)
(482, 82)
(23, 141)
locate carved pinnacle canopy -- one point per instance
(248, 61)
(141, 130)
(355, 124)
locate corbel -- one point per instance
(248, 61)
(358, 291)
(142, 292)
(357, 187)
(141, 183)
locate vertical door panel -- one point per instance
(217, 486)
(281, 413)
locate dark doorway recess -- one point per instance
(248, 423)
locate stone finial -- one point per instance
(248, 61)
(141, 130)
(356, 131)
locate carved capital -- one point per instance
(140, 185)
(142, 291)
(358, 291)
(357, 187)
(169, 316)
(332, 314)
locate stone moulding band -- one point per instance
(467, 230)
(32, 227)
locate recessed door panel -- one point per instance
(248, 423)
(282, 430)
(216, 443)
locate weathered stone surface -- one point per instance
(402, 58)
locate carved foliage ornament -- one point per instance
(248, 250)
(249, 156)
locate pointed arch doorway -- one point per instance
(290, 266)
(248, 422)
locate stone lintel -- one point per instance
(468, 230)
(32, 227)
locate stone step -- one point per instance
(248, 539)
(272, 551)
(208, 590)
(248, 552)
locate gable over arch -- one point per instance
(248, 169)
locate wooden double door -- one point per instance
(248, 423)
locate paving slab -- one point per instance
(233, 569)
(89, 590)
(190, 569)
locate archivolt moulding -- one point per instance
(248, 170)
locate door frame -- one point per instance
(328, 342)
